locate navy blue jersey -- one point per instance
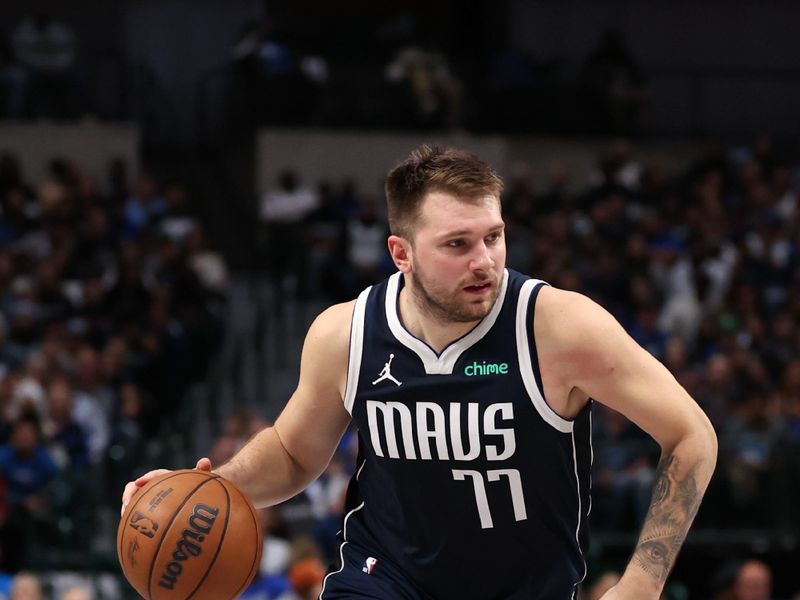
(468, 483)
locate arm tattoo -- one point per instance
(676, 499)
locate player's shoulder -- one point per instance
(559, 301)
(335, 318)
(566, 313)
(331, 329)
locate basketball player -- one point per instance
(471, 386)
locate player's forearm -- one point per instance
(265, 471)
(682, 478)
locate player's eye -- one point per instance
(455, 243)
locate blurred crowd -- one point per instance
(111, 306)
(328, 242)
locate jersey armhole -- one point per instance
(356, 349)
(528, 359)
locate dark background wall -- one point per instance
(183, 41)
(716, 65)
(677, 33)
(713, 66)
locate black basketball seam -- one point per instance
(258, 541)
(145, 488)
(221, 540)
(171, 521)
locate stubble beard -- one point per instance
(451, 310)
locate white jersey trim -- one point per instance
(356, 350)
(443, 363)
(591, 460)
(580, 510)
(526, 363)
(344, 537)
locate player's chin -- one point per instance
(483, 296)
(478, 309)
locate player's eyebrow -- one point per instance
(463, 232)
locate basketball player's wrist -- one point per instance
(639, 584)
(225, 472)
(234, 473)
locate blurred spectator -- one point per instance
(272, 583)
(615, 86)
(281, 83)
(77, 593)
(209, 265)
(144, 207)
(26, 468)
(327, 497)
(366, 245)
(434, 89)
(66, 439)
(94, 402)
(306, 577)
(753, 581)
(277, 548)
(129, 435)
(116, 186)
(29, 392)
(646, 331)
(718, 389)
(289, 202)
(26, 465)
(47, 49)
(42, 42)
(26, 586)
(11, 176)
(520, 212)
(8, 362)
(178, 219)
(13, 84)
(673, 274)
(282, 212)
(618, 170)
(749, 441)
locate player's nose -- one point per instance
(482, 260)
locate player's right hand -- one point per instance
(204, 464)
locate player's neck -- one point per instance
(435, 330)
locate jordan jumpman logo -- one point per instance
(386, 373)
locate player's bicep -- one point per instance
(314, 419)
(616, 371)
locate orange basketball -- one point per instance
(189, 534)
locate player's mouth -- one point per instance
(479, 289)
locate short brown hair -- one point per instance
(433, 169)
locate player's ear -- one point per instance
(400, 249)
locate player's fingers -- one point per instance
(132, 486)
(127, 494)
(204, 464)
(150, 475)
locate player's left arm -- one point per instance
(603, 362)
